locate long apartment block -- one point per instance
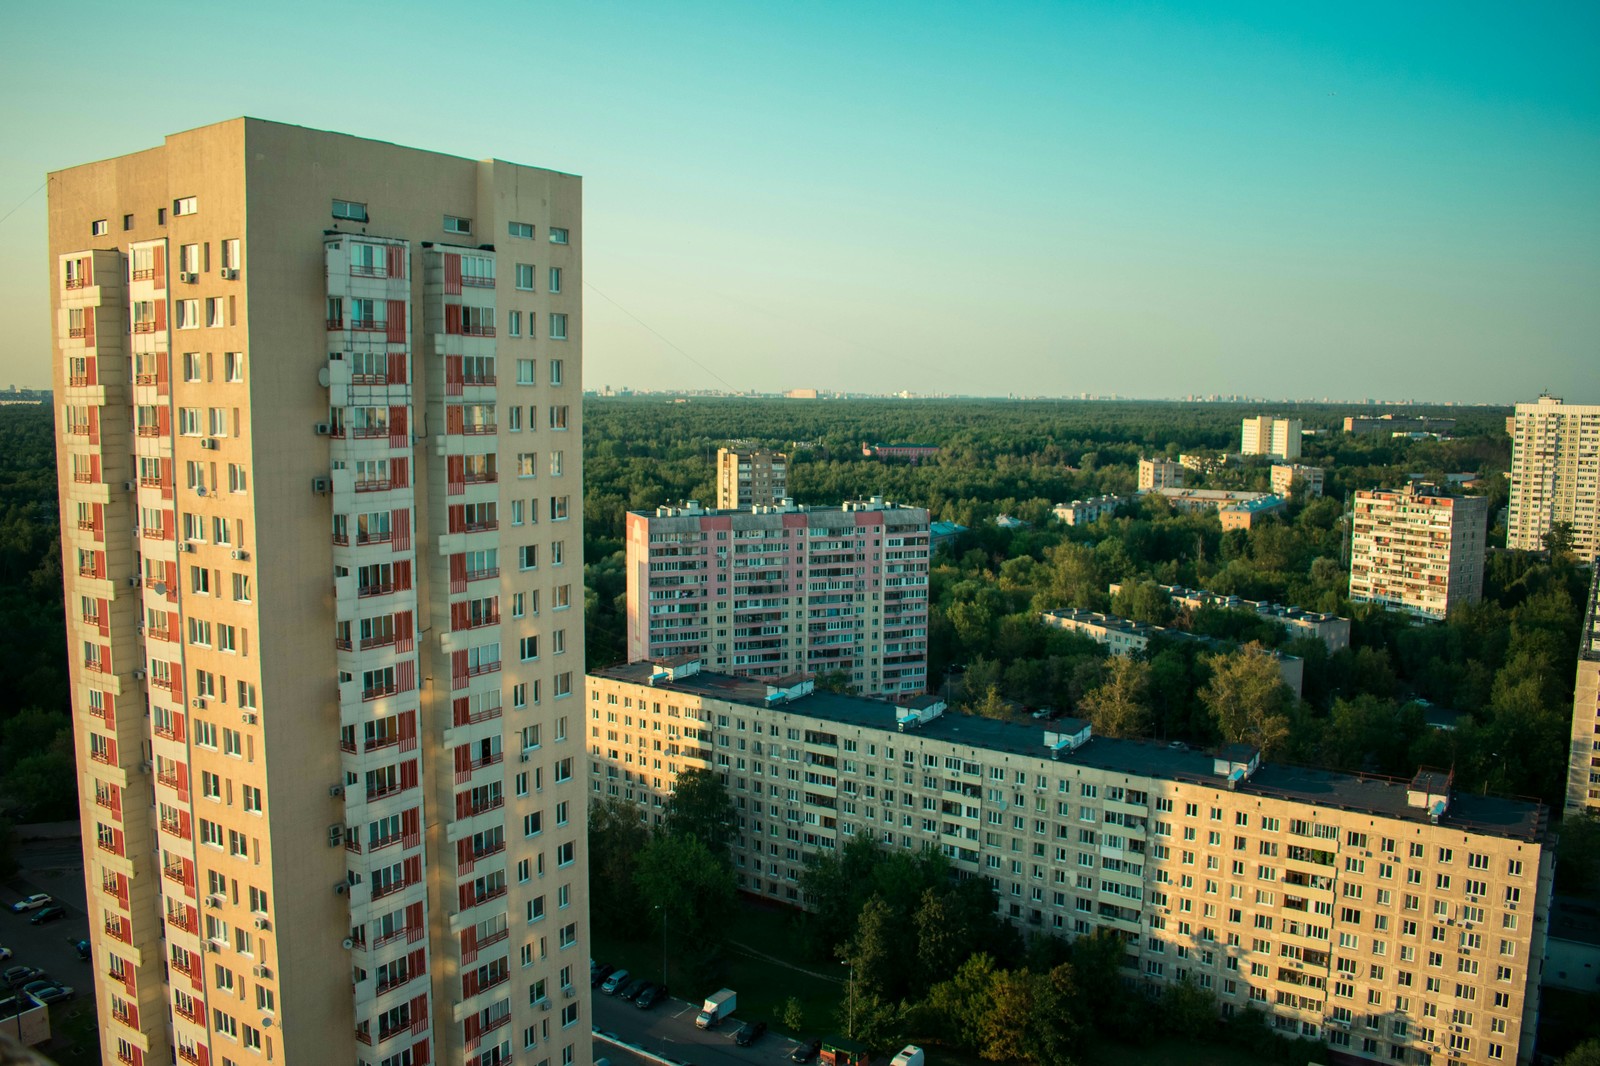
(771, 591)
(1555, 475)
(318, 432)
(1398, 921)
(1417, 550)
(1583, 772)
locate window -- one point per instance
(452, 224)
(556, 369)
(185, 205)
(520, 229)
(233, 366)
(559, 508)
(529, 648)
(188, 313)
(514, 418)
(527, 464)
(528, 556)
(558, 416)
(189, 259)
(513, 323)
(557, 463)
(193, 366)
(127, 222)
(563, 684)
(99, 227)
(216, 311)
(525, 276)
(525, 372)
(558, 326)
(555, 279)
(230, 254)
(558, 235)
(349, 209)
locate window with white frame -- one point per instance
(350, 209)
(513, 323)
(185, 205)
(555, 279)
(525, 372)
(557, 369)
(558, 235)
(188, 313)
(558, 325)
(520, 229)
(525, 276)
(454, 224)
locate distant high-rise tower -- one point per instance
(1416, 550)
(1265, 435)
(1555, 475)
(751, 478)
(790, 589)
(1583, 777)
(326, 663)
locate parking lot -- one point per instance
(668, 1030)
(56, 867)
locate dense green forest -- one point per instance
(1507, 662)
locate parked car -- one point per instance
(54, 994)
(807, 1051)
(5, 953)
(598, 973)
(633, 988)
(650, 997)
(749, 1033)
(48, 913)
(17, 976)
(617, 979)
(31, 903)
(81, 947)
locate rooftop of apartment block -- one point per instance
(1260, 503)
(1235, 603)
(694, 509)
(1071, 741)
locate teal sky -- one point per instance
(1350, 200)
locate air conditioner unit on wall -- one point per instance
(229, 274)
(188, 277)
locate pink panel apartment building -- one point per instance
(772, 591)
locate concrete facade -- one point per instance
(290, 366)
(1265, 435)
(1246, 513)
(1086, 512)
(751, 478)
(1555, 475)
(779, 590)
(1583, 769)
(1417, 551)
(1397, 921)
(1284, 476)
(1155, 474)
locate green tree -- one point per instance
(794, 1015)
(1120, 707)
(1585, 1054)
(700, 808)
(1247, 698)
(616, 839)
(955, 1009)
(1578, 865)
(693, 890)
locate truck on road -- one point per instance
(717, 1007)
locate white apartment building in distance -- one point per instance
(1555, 475)
(1583, 774)
(321, 492)
(780, 590)
(1416, 550)
(751, 477)
(1265, 435)
(1395, 920)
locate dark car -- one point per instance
(650, 997)
(17, 976)
(599, 973)
(54, 994)
(632, 989)
(50, 912)
(749, 1033)
(82, 948)
(807, 1051)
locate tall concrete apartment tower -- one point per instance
(774, 591)
(1266, 435)
(1417, 550)
(1555, 474)
(1583, 771)
(751, 478)
(321, 492)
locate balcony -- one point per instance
(191, 1012)
(493, 805)
(144, 327)
(374, 486)
(380, 891)
(84, 477)
(374, 538)
(182, 920)
(78, 332)
(483, 575)
(81, 380)
(476, 281)
(144, 274)
(369, 432)
(116, 929)
(189, 1055)
(379, 692)
(465, 774)
(102, 756)
(375, 590)
(367, 325)
(484, 715)
(368, 270)
(479, 429)
(125, 1013)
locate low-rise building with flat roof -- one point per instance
(1086, 512)
(1328, 628)
(1124, 636)
(1245, 513)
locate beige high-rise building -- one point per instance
(1416, 550)
(1396, 920)
(1583, 774)
(751, 478)
(319, 423)
(1265, 435)
(1555, 475)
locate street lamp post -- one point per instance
(850, 1011)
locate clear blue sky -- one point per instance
(1347, 199)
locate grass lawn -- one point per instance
(764, 985)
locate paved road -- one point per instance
(668, 1030)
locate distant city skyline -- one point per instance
(1167, 200)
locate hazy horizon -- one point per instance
(1152, 200)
